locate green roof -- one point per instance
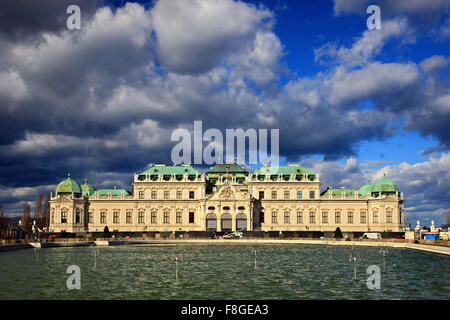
(87, 189)
(227, 167)
(222, 169)
(169, 170)
(112, 192)
(68, 186)
(384, 185)
(283, 170)
(339, 192)
(365, 189)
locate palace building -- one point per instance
(226, 198)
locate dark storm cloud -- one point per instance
(27, 19)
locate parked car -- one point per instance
(371, 235)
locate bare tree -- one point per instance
(38, 212)
(46, 223)
(26, 218)
(4, 221)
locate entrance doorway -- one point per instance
(241, 222)
(226, 222)
(211, 222)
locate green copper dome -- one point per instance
(68, 186)
(365, 189)
(384, 185)
(87, 189)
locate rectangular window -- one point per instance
(299, 217)
(261, 195)
(166, 217)
(312, 194)
(389, 217)
(116, 217)
(178, 194)
(286, 194)
(103, 217)
(299, 194)
(363, 217)
(191, 194)
(324, 216)
(91, 217)
(312, 217)
(287, 217)
(141, 217)
(153, 217)
(141, 194)
(274, 194)
(153, 194)
(128, 219)
(337, 217)
(191, 217)
(375, 217)
(63, 217)
(77, 216)
(166, 194)
(350, 217)
(178, 217)
(274, 217)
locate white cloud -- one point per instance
(194, 36)
(373, 80)
(365, 48)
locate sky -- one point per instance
(351, 104)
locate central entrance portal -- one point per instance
(226, 221)
(211, 222)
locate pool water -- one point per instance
(223, 272)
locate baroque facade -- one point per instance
(226, 198)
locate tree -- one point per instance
(38, 212)
(46, 223)
(4, 221)
(338, 233)
(106, 233)
(26, 219)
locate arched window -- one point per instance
(211, 222)
(241, 222)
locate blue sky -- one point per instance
(351, 104)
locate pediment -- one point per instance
(62, 199)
